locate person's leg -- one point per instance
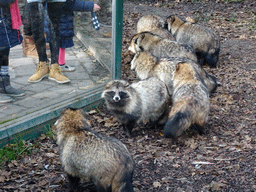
(63, 66)
(26, 21)
(5, 85)
(54, 12)
(28, 44)
(3, 98)
(46, 28)
(62, 56)
(4, 62)
(36, 11)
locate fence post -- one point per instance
(117, 31)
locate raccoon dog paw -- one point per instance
(127, 132)
(73, 182)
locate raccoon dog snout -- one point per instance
(116, 98)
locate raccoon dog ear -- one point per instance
(179, 66)
(65, 109)
(173, 19)
(170, 19)
(126, 84)
(142, 36)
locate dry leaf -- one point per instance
(2, 178)
(214, 186)
(157, 184)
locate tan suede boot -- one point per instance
(29, 47)
(42, 71)
(56, 75)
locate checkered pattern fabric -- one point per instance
(95, 21)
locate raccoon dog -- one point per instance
(190, 99)
(159, 47)
(154, 24)
(144, 101)
(204, 41)
(147, 65)
(92, 157)
(163, 33)
(150, 22)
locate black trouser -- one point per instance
(26, 21)
(4, 58)
(37, 16)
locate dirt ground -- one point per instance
(223, 159)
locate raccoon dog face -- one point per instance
(137, 41)
(72, 118)
(133, 43)
(169, 21)
(115, 92)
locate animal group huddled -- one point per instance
(168, 61)
(172, 92)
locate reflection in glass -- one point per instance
(97, 42)
(94, 56)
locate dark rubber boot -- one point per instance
(6, 88)
(5, 98)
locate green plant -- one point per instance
(252, 25)
(14, 151)
(51, 134)
(2, 122)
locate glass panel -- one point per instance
(95, 61)
(98, 42)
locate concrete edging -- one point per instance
(33, 125)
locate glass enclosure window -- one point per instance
(97, 59)
(98, 42)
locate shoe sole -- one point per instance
(6, 101)
(58, 81)
(38, 79)
(67, 70)
(12, 95)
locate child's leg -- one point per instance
(5, 85)
(3, 98)
(4, 61)
(28, 43)
(54, 13)
(63, 66)
(62, 56)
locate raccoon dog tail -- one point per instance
(177, 123)
(212, 57)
